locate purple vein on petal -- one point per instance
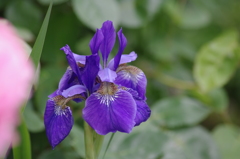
(110, 110)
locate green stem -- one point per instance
(98, 144)
(23, 150)
(88, 138)
(110, 140)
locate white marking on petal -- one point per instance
(132, 74)
(106, 99)
(58, 110)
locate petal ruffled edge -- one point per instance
(143, 112)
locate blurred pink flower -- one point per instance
(16, 74)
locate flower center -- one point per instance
(107, 88)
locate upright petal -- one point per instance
(109, 40)
(96, 41)
(58, 121)
(110, 110)
(122, 44)
(124, 59)
(90, 71)
(143, 112)
(71, 61)
(132, 77)
(107, 75)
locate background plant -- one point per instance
(189, 51)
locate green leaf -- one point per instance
(217, 61)
(139, 144)
(227, 138)
(178, 111)
(33, 121)
(190, 16)
(94, 12)
(190, 143)
(147, 8)
(38, 46)
(23, 150)
(129, 15)
(216, 99)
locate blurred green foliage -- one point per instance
(189, 51)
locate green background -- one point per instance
(189, 51)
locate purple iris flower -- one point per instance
(114, 91)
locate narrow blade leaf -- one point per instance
(38, 46)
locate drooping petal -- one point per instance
(122, 44)
(124, 59)
(74, 90)
(58, 122)
(90, 71)
(108, 41)
(71, 61)
(107, 75)
(96, 41)
(110, 110)
(132, 77)
(143, 112)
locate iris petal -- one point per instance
(74, 90)
(132, 77)
(90, 71)
(80, 58)
(68, 79)
(109, 39)
(107, 75)
(96, 41)
(71, 61)
(122, 44)
(58, 122)
(143, 112)
(110, 113)
(126, 58)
